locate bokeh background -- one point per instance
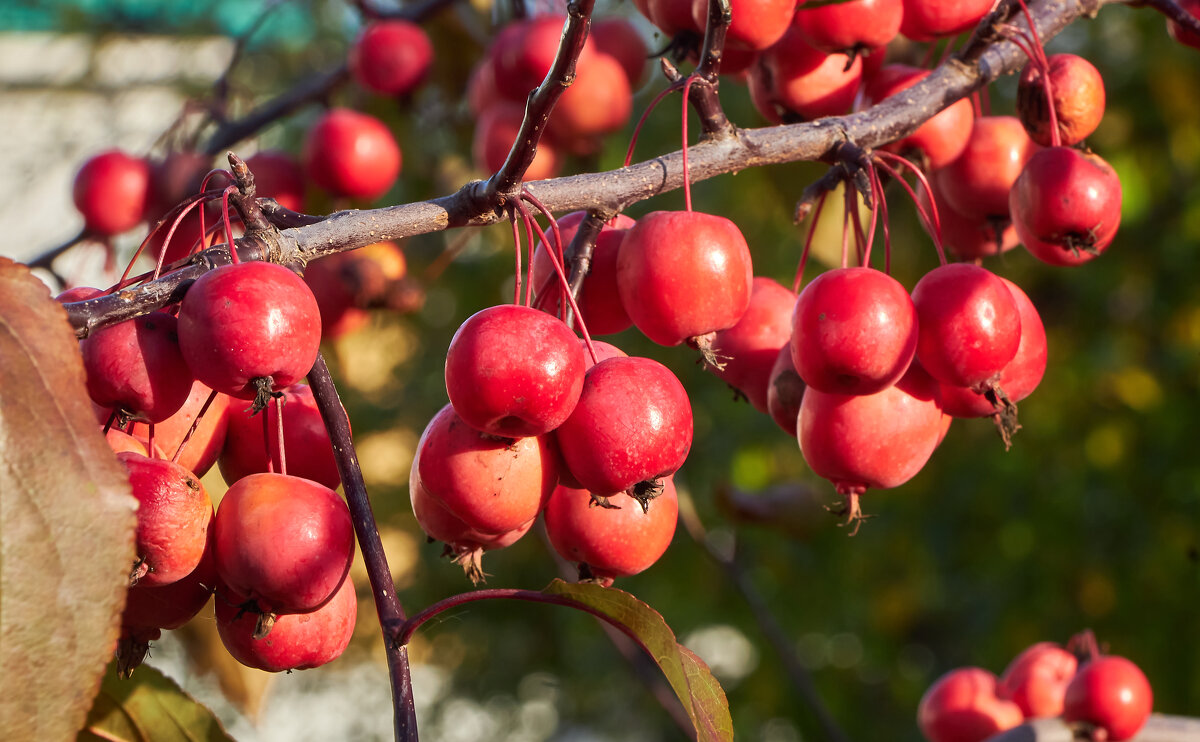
(1090, 521)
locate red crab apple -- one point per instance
(785, 391)
(850, 27)
(514, 372)
(391, 57)
(793, 77)
(174, 511)
(495, 132)
(746, 352)
(926, 20)
(137, 367)
(1110, 693)
(599, 300)
(979, 180)
(352, 154)
(1037, 679)
(756, 25)
(279, 176)
(205, 443)
(963, 706)
(621, 39)
(1078, 94)
(111, 191)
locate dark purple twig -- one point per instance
(46, 259)
(387, 603)
(1175, 12)
(704, 95)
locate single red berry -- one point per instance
(1078, 93)
(850, 27)
(137, 367)
(1110, 693)
(205, 443)
(970, 325)
(756, 25)
(684, 274)
(284, 542)
(1066, 206)
(245, 323)
(942, 138)
(174, 511)
(305, 440)
(493, 485)
(747, 351)
(111, 191)
(621, 39)
(967, 237)
(1036, 680)
(513, 371)
(295, 641)
(978, 182)
(854, 331)
(391, 57)
(793, 80)
(963, 706)
(926, 20)
(352, 154)
(279, 176)
(524, 51)
(599, 300)
(633, 425)
(598, 102)
(619, 540)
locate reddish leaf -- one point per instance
(66, 521)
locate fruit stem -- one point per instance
(387, 603)
(279, 402)
(645, 114)
(687, 181)
(881, 200)
(517, 269)
(195, 424)
(228, 227)
(808, 239)
(930, 218)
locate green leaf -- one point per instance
(149, 707)
(66, 521)
(701, 694)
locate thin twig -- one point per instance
(704, 96)
(1175, 12)
(46, 259)
(387, 603)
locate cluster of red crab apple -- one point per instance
(1103, 697)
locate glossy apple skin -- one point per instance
(391, 57)
(1078, 94)
(599, 299)
(794, 77)
(962, 706)
(1112, 693)
(876, 441)
(282, 541)
(298, 641)
(926, 20)
(756, 25)
(855, 25)
(682, 274)
(246, 321)
(493, 485)
(633, 424)
(978, 182)
(137, 366)
(205, 445)
(513, 371)
(612, 542)
(174, 513)
(352, 154)
(170, 606)
(942, 138)
(112, 192)
(305, 440)
(1066, 198)
(1036, 680)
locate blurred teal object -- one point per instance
(293, 21)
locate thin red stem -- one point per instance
(195, 424)
(279, 432)
(228, 227)
(150, 440)
(266, 420)
(881, 202)
(517, 270)
(687, 181)
(808, 239)
(845, 229)
(645, 114)
(526, 219)
(933, 223)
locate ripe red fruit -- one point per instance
(683, 274)
(493, 485)
(1037, 679)
(277, 175)
(850, 27)
(926, 20)
(756, 24)
(524, 51)
(854, 331)
(785, 391)
(1111, 693)
(465, 543)
(1183, 35)
(942, 138)
(619, 37)
(305, 439)
(1066, 206)
(283, 542)
(599, 301)
(795, 78)
(963, 706)
(598, 102)
(1078, 92)
(673, 17)
(137, 367)
(391, 57)
(748, 350)
(173, 516)
(346, 283)
(603, 351)
(970, 325)
(243, 323)
(969, 237)
(978, 182)
(1019, 377)
(204, 446)
(633, 425)
(513, 371)
(352, 154)
(496, 131)
(296, 641)
(616, 541)
(170, 606)
(876, 440)
(112, 192)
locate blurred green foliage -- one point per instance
(1090, 521)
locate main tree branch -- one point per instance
(613, 191)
